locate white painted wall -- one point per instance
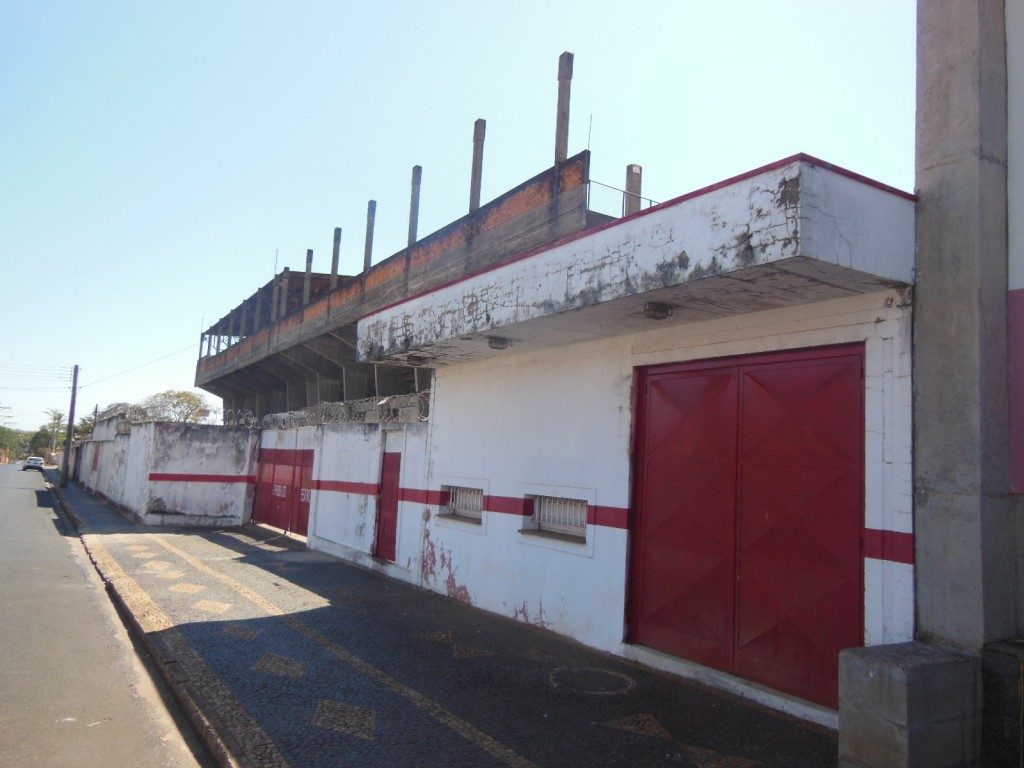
(560, 422)
(125, 463)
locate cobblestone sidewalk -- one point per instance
(288, 657)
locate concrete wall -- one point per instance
(174, 474)
(559, 422)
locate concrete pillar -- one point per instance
(562, 114)
(476, 175)
(335, 252)
(308, 277)
(274, 300)
(284, 292)
(414, 203)
(631, 199)
(921, 703)
(964, 531)
(257, 314)
(371, 214)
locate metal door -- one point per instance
(283, 486)
(747, 538)
(387, 509)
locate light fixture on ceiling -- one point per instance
(656, 310)
(498, 342)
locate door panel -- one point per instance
(387, 511)
(687, 524)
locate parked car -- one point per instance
(32, 462)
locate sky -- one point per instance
(158, 160)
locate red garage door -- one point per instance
(747, 538)
(283, 484)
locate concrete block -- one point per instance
(1003, 721)
(909, 705)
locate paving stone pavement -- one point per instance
(288, 657)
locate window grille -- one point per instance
(568, 516)
(465, 502)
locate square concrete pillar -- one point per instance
(909, 705)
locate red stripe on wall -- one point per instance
(889, 545)
(1015, 329)
(610, 517)
(508, 505)
(170, 477)
(347, 486)
(421, 496)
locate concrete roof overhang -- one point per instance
(797, 231)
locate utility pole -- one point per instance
(71, 431)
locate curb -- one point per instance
(217, 744)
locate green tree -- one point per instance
(178, 405)
(55, 426)
(85, 426)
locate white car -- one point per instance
(33, 462)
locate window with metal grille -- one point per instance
(558, 515)
(465, 502)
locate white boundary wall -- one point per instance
(559, 422)
(174, 474)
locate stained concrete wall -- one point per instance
(968, 575)
(175, 474)
(559, 422)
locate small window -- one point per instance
(465, 502)
(557, 515)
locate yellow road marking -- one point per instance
(428, 705)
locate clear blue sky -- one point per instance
(153, 157)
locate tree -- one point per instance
(55, 426)
(177, 405)
(85, 426)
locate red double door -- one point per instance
(747, 545)
(283, 488)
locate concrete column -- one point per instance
(562, 115)
(335, 252)
(274, 300)
(476, 175)
(284, 292)
(308, 277)
(967, 575)
(414, 203)
(258, 312)
(631, 199)
(371, 214)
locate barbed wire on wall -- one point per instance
(371, 410)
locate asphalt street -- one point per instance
(296, 658)
(73, 690)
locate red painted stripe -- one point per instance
(610, 517)
(1015, 328)
(171, 477)
(347, 486)
(800, 157)
(421, 496)
(509, 505)
(894, 546)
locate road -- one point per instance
(74, 690)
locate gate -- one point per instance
(283, 483)
(749, 515)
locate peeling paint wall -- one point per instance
(781, 217)
(560, 423)
(175, 474)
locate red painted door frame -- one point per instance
(762, 488)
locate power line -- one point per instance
(141, 365)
